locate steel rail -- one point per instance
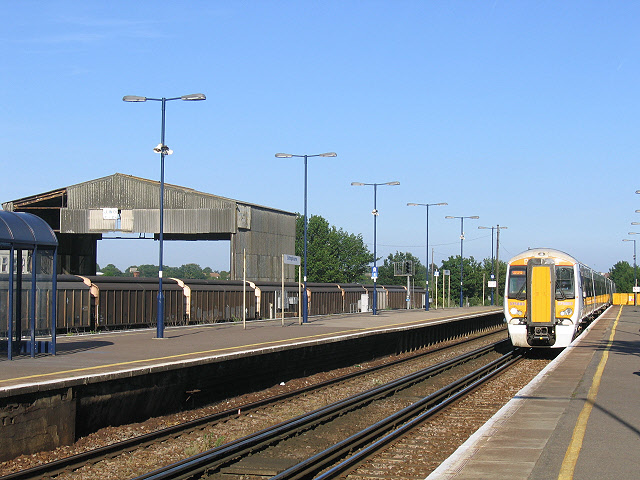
(408, 418)
(109, 451)
(220, 456)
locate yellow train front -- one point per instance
(550, 297)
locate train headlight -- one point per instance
(566, 312)
(515, 312)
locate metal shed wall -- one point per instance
(187, 211)
(271, 235)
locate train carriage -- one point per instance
(125, 302)
(268, 299)
(210, 301)
(550, 296)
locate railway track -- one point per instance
(290, 450)
(74, 462)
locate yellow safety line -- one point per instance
(273, 342)
(573, 451)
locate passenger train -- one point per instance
(550, 297)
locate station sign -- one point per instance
(110, 214)
(291, 259)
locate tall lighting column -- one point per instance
(305, 307)
(475, 217)
(426, 303)
(163, 150)
(375, 216)
(635, 276)
(492, 261)
(493, 277)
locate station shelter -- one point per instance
(28, 250)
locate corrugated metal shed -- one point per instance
(124, 203)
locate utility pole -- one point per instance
(498, 260)
(432, 263)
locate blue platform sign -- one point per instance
(374, 273)
(291, 259)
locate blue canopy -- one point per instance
(25, 230)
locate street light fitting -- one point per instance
(635, 223)
(289, 155)
(188, 98)
(360, 184)
(194, 97)
(133, 98)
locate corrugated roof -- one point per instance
(25, 230)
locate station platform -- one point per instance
(110, 355)
(116, 378)
(578, 419)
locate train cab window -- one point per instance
(564, 283)
(517, 283)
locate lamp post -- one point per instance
(426, 303)
(375, 216)
(492, 261)
(163, 150)
(493, 277)
(635, 276)
(461, 246)
(305, 307)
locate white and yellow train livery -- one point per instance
(550, 297)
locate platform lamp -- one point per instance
(635, 275)
(427, 205)
(475, 217)
(305, 306)
(493, 276)
(163, 150)
(374, 275)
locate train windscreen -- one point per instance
(517, 283)
(564, 283)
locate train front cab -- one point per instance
(541, 305)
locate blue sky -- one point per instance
(524, 113)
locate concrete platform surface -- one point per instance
(579, 419)
(116, 353)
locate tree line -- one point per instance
(187, 271)
(337, 256)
